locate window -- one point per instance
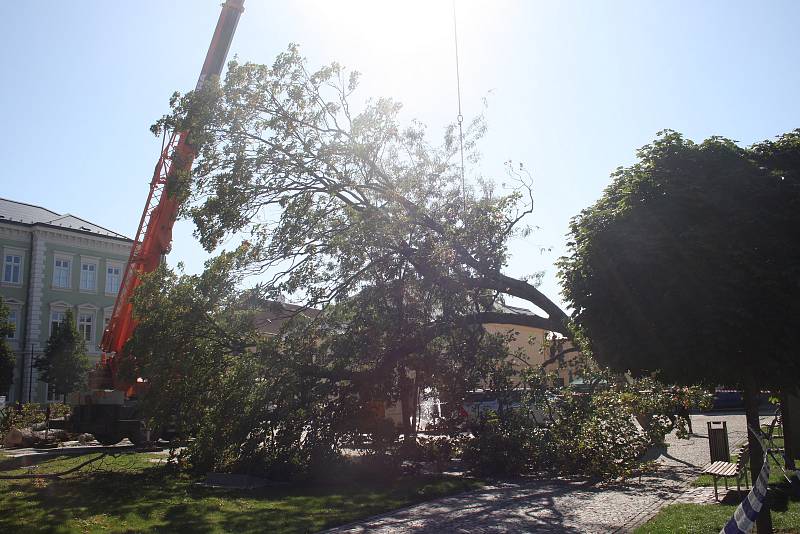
(13, 320)
(88, 276)
(12, 268)
(61, 272)
(86, 326)
(56, 318)
(113, 277)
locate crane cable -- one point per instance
(460, 117)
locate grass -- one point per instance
(697, 518)
(700, 518)
(129, 493)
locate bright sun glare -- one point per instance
(414, 36)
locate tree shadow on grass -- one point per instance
(155, 500)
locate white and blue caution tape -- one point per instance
(746, 513)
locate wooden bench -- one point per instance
(726, 470)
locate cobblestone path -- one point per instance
(558, 505)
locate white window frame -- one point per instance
(13, 320)
(51, 393)
(62, 311)
(14, 306)
(60, 307)
(89, 262)
(10, 251)
(60, 256)
(92, 315)
(107, 312)
(112, 264)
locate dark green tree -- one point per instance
(190, 333)
(7, 359)
(64, 364)
(688, 266)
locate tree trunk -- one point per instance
(751, 392)
(47, 422)
(406, 407)
(415, 403)
(788, 438)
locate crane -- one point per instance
(108, 409)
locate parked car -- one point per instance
(727, 399)
(732, 400)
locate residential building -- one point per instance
(52, 263)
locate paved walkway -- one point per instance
(71, 448)
(562, 505)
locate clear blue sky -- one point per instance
(574, 88)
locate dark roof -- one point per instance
(505, 308)
(29, 214)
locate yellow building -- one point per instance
(534, 347)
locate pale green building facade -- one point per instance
(52, 263)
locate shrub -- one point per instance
(439, 450)
(589, 431)
(596, 435)
(510, 443)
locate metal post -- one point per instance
(30, 372)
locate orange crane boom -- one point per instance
(110, 408)
(154, 236)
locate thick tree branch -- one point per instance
(54, 475)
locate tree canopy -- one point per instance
(347, 211)
(284, 402)
(64, 363)
(689, 263)
(369, 223)
(7, 359)
(331, 199)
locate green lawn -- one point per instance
(130, 494)
(697, 518)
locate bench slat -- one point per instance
(721, 469)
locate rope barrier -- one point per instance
(746, 513)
